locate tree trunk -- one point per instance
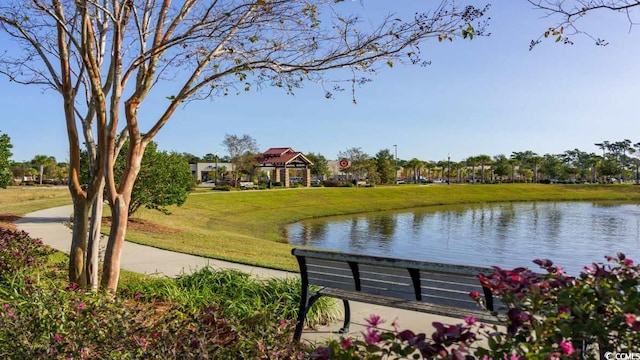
(77, 255)
(93, 249)
(111, 267)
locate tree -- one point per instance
(190, 158)
(551, 166)
(502, 167)
(484, 160)
(5, 154)
(42, 163)
(416, 166)
(209, 157)
(385, 166)
(320, 167)
(242, 151)
(164, 180)
(105, 57)
(513, 163)
(570, 12)
(357, 162)
(473, 162)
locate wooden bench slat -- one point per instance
(450, 278)
(400, 293)
(373, 270)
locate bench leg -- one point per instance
(304, 309)
(347, 317)
(305, 305)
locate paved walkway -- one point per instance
(49, 226)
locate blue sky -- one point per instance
(489, 96)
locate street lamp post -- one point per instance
(395, 164)
(448, 169)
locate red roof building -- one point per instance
(282, 159)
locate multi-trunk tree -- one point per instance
(107, 57)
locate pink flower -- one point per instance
(81, 306)
(7, 306)
(261, 347)
(283, 323)
(57, 337)
(470, 320)
(372, 337)
(564, 310)
(630, 318)
(346, 343)
(374, 320)
(567, 347)
(485, 357)
(628, 262)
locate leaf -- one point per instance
(559, 38)
(172, 97)
(390, 63)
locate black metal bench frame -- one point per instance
(436, 288)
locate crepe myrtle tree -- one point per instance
(569, 13)
(242, 151)
(106, 57)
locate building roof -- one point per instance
(283, 157)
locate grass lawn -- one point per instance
(247, 226)
(20, 200)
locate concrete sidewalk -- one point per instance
(49, 226)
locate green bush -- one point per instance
(238, 295)
(207, 315)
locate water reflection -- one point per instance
(573, 234)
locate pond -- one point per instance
(571, 234)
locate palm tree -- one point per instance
(429, 165)
(415, 165)
(461, 168)
(473, 162)
(484, 160)
(42, 161)
(513, 162)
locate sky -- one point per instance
(488, 96)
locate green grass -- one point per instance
(248, 226)
(20, 200)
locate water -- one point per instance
(572, 234)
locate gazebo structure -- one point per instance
(283, 159)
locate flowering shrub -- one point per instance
(548, 315)
(18, 251)
(447, 340)
(42, 317)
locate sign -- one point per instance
(344, 163)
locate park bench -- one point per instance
(247, 185)
(441, 289)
